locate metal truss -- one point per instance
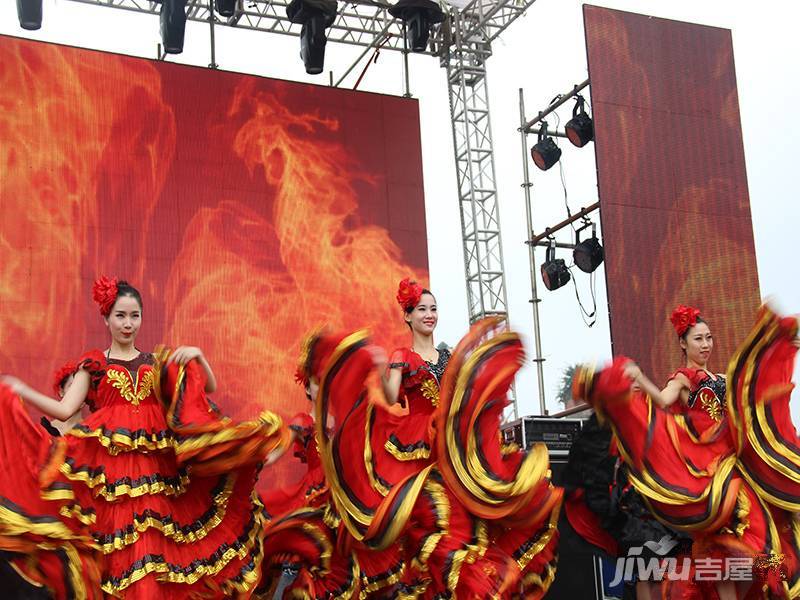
(484, 20)
(477, 192)
(473, 30)
(359, 22)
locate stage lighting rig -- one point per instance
(30, 14)
(588, 254)
(173, 25)
(555, 273)
(315, 16)
(545, 153)
(580, 129)
(225, 8)
(418, 16)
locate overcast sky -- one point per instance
(543, 53)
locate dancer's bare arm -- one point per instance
(62, 409)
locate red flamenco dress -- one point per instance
(507, 488)
(725, 468)
(471, 520)
(152, 496)
(302, 554)
(310, 489)
(404, 443)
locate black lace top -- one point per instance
(440, 365)
(144, 358)
(717, 386)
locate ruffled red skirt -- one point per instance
(141, 512)
(473, 519)
(734, 485)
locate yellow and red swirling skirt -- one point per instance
(158, 504)
(733, 484)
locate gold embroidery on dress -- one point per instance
(135, 393)
(710, 403)
(430, 391)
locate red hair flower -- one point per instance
(408, 293)
(104, 293)
(683, 318)
(62, 374)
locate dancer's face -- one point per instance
(424, 317)
(698, 344)
(124, 320)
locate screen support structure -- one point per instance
(533, 127)
(463, 43)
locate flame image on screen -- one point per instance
(107, 169)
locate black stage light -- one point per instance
(173, 25)
(419, 16)
(30, 14)
(588, 254)
(315, 16)
(225, 8)
(554, 270)
(545, 153)
(580, 130)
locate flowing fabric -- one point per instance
(151, 496)
(729, 477)
(470, 518)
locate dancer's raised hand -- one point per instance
(379, 358)
(183, 354)
(17, 386)
(632, 371)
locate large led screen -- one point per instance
(675, 208)
(247, 211)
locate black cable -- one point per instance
(586, 315)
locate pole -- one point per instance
(543, 113)
(526, 186)
(406, 84)
(554, 133)
(551, 230)
(544, 244)
(212, 39)
(375, 42)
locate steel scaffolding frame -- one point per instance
(359, 23)
(463, 44)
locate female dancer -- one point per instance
(698, 467)
(154, 479)
(693, 383)
(412, 378)
(467, 530)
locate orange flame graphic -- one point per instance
(93, 181)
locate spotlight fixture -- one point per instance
(225, 8)
(545, 153)
(554, 270)
(418, 16)
(580, 130)
(588, 254)
(315, 16)
(173, 25)
(30, 14)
